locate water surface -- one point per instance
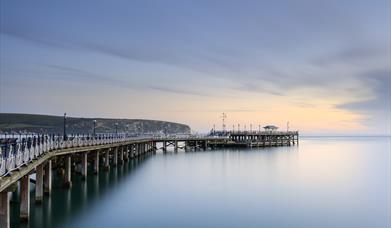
(323, 182)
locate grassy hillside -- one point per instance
(28, 123)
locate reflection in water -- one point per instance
(69, 203)
(325, 182)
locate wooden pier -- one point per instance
(21, 157)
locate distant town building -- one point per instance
(270, 128)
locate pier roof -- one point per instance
(270, 127)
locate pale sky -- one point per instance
(324, 66)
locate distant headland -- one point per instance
(34, 123)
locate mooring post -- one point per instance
(68, 172)
(84, 163)
(4, 209)
(47, 178)
(39, 184)
(25, 198)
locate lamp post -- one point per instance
(116, 129)
(65, 126)
(94, 127)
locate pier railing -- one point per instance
(19, 150)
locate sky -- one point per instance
(322, 65)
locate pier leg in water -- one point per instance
(164, 147)
(107, 160)
(47, 178)
(176, 147)
(96, 162)
(68, 172)
(121, 155)
(115, 162)
(39, 184)
(84, 162)
(126, 155)
(25, 198)
(4, 209)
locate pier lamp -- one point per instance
(94, 127)
(65, 126)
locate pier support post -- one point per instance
(164, 146)
(154, 147)
(107, 160)
(68, 172)
(4, 209)
(131, 149)
(121, 155)
(47, 178)
(96, 162)
(134, 150)
(84, 163)
(126, 153)
(39, 184)
(25, 198)
(115, 160)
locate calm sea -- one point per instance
(323, 182)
